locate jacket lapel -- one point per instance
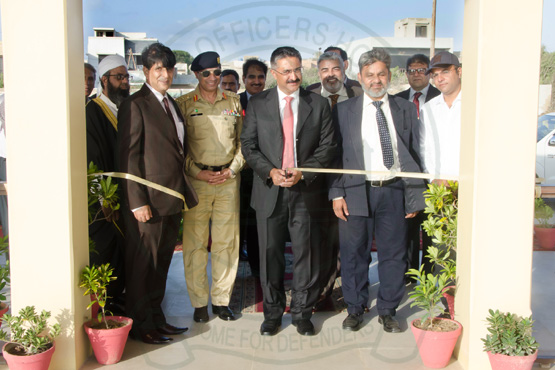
(304, 109)
(397, 115)
(160, 115)
(355, 126)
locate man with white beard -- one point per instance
(378, 132)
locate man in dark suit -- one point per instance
(420, 92)
(378, 132)
(331, 71)
(288, 127)
(151, 134)
(254, 79)
(345, 57)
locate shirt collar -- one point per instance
(342, 92)
(109, 103)
(368, 100)
(424, 91)
(282, 95)
(156, 93)
(220, 95)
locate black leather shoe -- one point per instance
(389, 323)
(171, 330)
(201, 314)
(153, 337)
(304, 326)
(270, 327)
(223, 312)
(352, 322)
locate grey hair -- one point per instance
(373, 56)
(330, 55)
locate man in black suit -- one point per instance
(288, 127)
(331, 71)
(254, 79)
(378, 132)
(420, 92)
(151, 136)
(343, 54)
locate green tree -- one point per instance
(183, 57)
(547, 67)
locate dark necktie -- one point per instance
(333, 98)
(385, 139)
(417, 102)
(168, 111)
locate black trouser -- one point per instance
(291, 217)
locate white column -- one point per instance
(501, 61)
(45, 119)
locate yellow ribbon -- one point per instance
(142, 181)
(414, 175)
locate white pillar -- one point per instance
(501, 61)
(45, 119)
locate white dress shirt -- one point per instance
(371, 146)
(178, 122)
(295, 109)
(440, 136)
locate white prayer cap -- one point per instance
(110, 62)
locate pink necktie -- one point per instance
(288, 140)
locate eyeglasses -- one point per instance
(216, 73)
(287, 72)
(413, 71)
(120, 77)
(443, 72)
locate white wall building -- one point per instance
(411, 36)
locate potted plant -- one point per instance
(32, 340)
(435, 337)
(543, 230)
(510, 344)
(108, 334)
(441, 225)
(4, 276)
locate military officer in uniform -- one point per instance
(214, 161)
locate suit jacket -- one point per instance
(244, 101)
(432, 93)
(347, 118)
(262, 145)
(352, 90)
(148, 147)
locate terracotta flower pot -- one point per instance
(545, 237)
(108, 344)
(504, 362)
(3, 309)
(40, 361)
(436, 348)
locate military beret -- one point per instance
(209, 59)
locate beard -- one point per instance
(117, 94)
(374, 94)
(332, 84)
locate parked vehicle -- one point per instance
(545, 149)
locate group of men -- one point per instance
(217, 148)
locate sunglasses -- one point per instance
(216, 72)
(120, 77)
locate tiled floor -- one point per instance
(238, 345)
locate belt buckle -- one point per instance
(379, 185)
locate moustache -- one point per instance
(332, 79)
(293, 81)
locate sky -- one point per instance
(245, 27)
